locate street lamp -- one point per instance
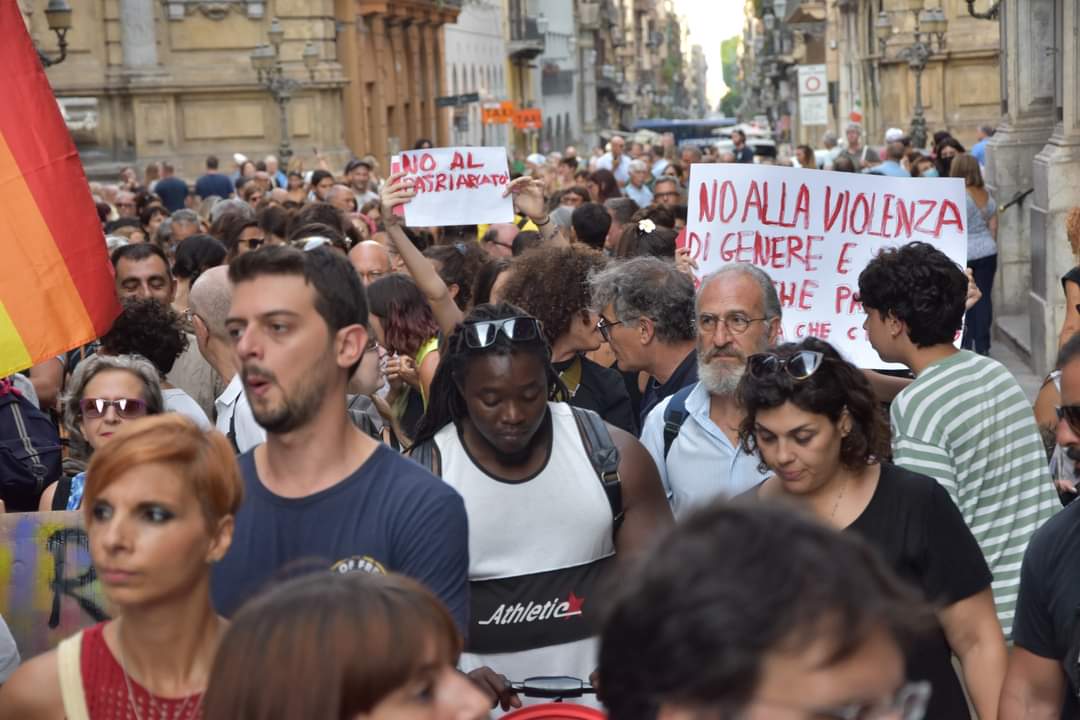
(930, 28)
(266, 59)
(58, 16)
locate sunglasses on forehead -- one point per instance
(480, 334)
(799, 366)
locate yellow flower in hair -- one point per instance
(646, 226)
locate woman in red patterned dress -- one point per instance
(159, 506)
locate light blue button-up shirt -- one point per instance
(642, 196)
(703, 463)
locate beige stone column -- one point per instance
(430, 73)
(352, 94)
(1056, 176)
(414, 118)
(442, 127)
(381, 53)
(1027, 91)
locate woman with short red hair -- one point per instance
(159, 507)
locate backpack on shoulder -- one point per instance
(674, 417)
(30, 457)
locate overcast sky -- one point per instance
(711, 22)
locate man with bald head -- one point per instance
(208, 304)
(616, 160)
(341, 197)
(371, 260)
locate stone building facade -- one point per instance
(148, 80)
(960, 86)
(1032, 169)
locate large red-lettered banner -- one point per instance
(814, 231)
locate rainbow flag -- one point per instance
(56, 286)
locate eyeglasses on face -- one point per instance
(127, 408)
(909, 703)
(799, 366)
(604, 326)
(480, 334)
(735, 323)
(1071, 415)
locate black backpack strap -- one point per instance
(604, 456)
(428, 455)
(674, 416)
(232, 430)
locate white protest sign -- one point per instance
(813, 232)
(456, 186)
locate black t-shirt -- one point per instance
(745, 154)
(390, 515)
(1048, 606)
(1073, 276)
(685, 374)
(602, 391)
(920, 532)
(173, 192)
(922, 536)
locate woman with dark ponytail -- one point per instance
(543, 516)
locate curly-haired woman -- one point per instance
(562, 304)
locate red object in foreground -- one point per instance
(555, 711)
(56, 286)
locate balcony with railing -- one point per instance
(526, 37)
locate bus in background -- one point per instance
(688, 132)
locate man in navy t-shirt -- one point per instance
(320, 491)
(172, 190)
(213, 182)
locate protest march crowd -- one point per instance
(566, 445)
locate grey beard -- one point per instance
(719, 380)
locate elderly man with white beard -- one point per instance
(693, 435)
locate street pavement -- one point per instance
(1029, 381)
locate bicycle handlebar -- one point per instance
(553, 687)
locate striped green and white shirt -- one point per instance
(966, 422)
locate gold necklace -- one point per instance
(153, 703)
(839, 497)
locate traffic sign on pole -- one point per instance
(456, 100)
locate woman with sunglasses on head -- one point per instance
(159, 511)
(105, 393)
(543, 527)
(812, 418)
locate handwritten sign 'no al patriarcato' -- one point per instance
(456, 186)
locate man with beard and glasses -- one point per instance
(693, 435)
(319, 490)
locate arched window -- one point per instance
(453, 79)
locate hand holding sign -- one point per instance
(395, 193)
(456, 186)
(528, 197)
